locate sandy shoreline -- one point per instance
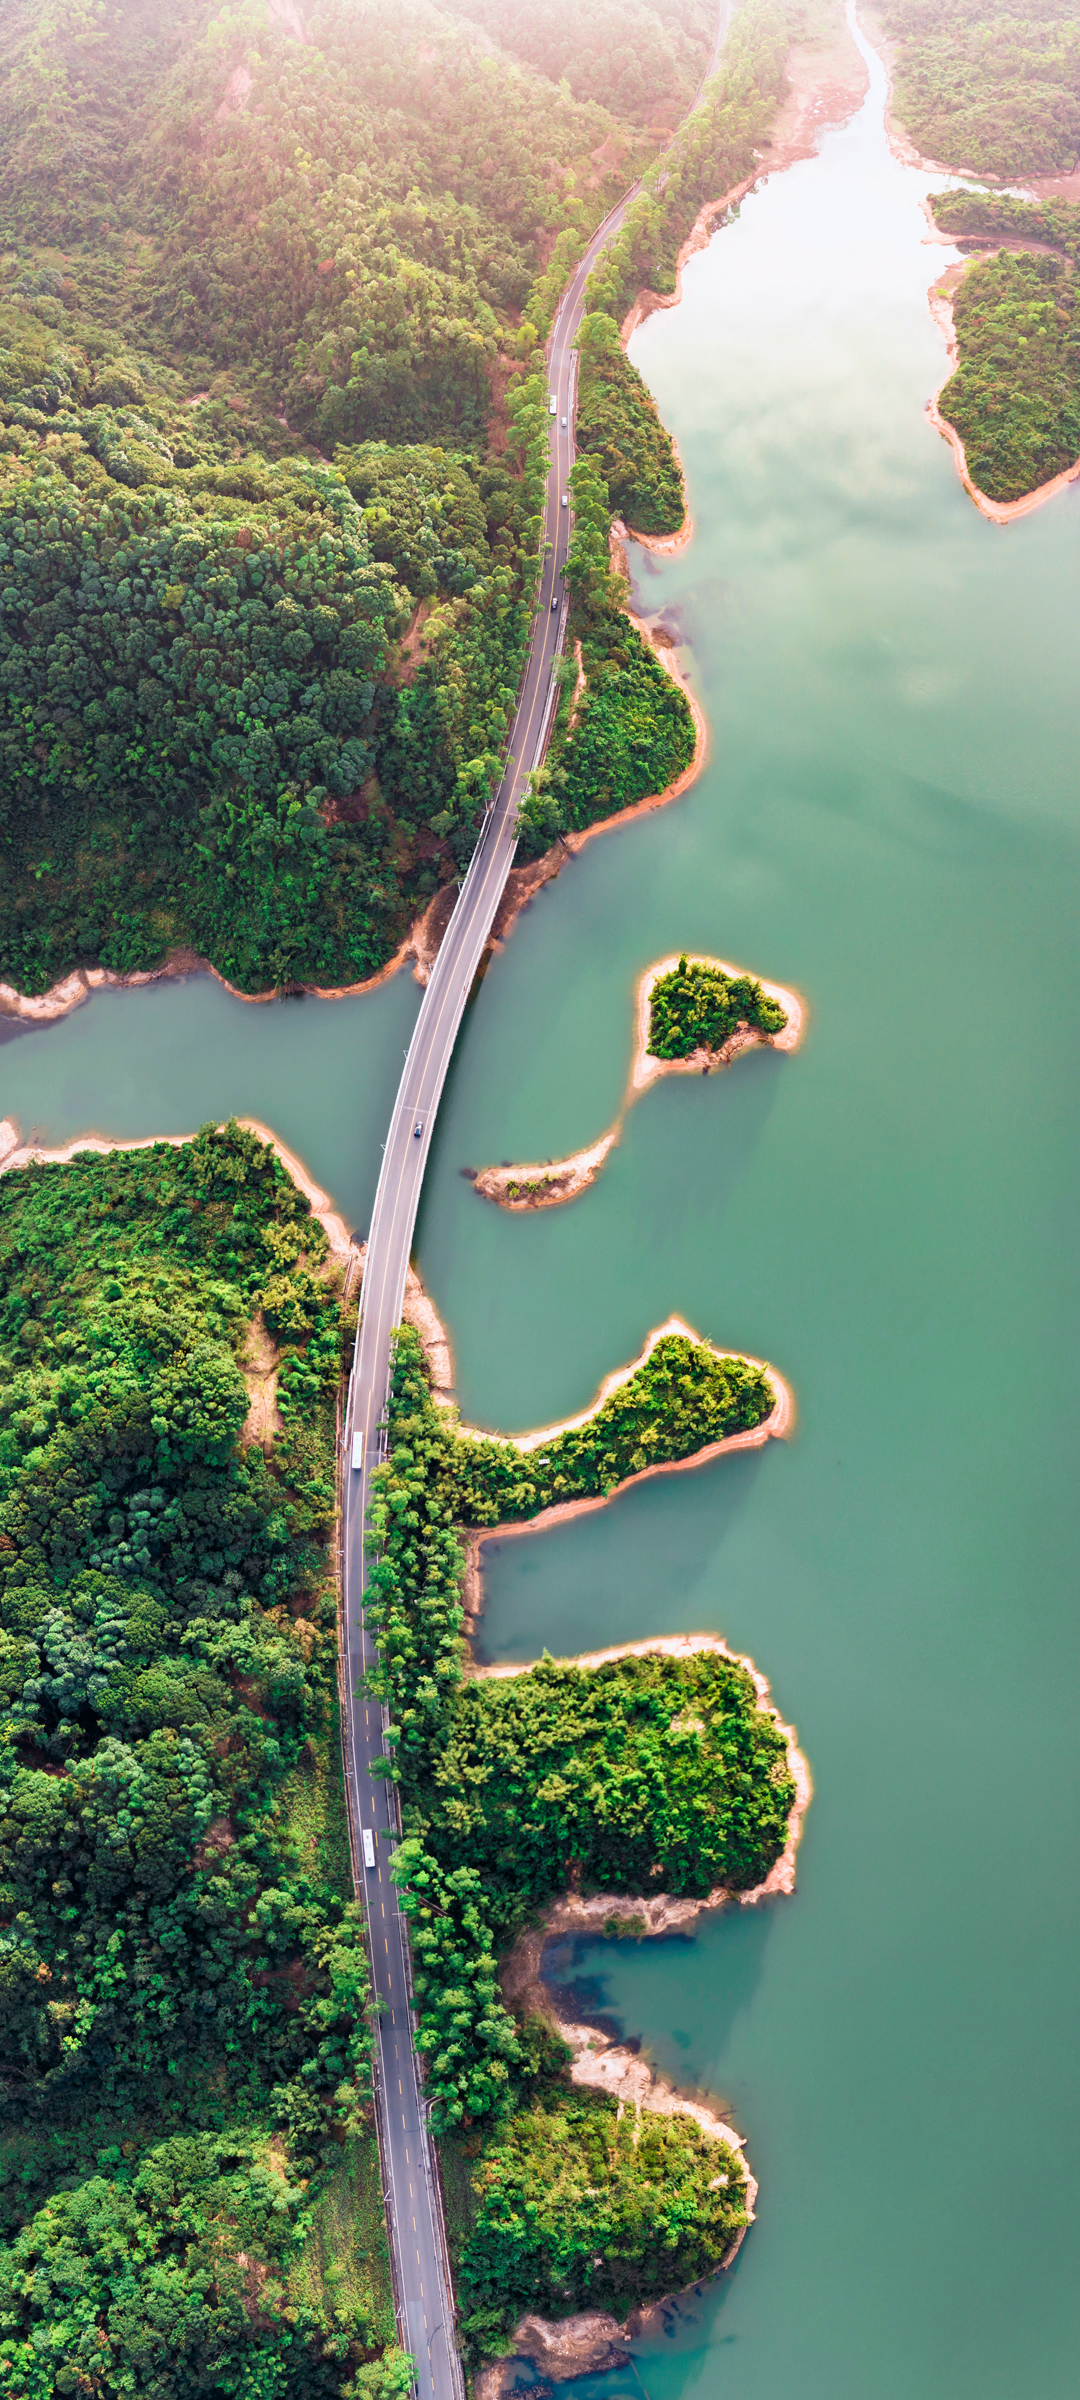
(550, 1183)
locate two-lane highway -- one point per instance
(425, 2302)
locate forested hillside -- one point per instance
(993, 91)
(184, 2090)
(272, 292)
(644, 1773)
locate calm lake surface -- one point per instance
(890, 824)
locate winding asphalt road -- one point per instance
(425, 2303)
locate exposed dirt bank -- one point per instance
(896, 134)
(940, 296)
(825, 85)
(548, 1184)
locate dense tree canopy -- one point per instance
(263, 265)
(697, 1007)
(181, 1959)
(576, 2204)
(994, 92)
(651, 1767)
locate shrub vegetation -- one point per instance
(618, 424)
(185, 2065)
(698, 1007)
(1015, 396)
(992, 92)
(512, 1786)
(576, 2205)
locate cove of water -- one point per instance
(889, 823)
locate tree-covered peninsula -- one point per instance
(274, 286)
(645, 1773)
(189, 2190)
(1014, 398)
(185, 2104)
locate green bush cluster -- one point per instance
(577, 2205)
(183, 1976)
(1015, 395)
(698, 1007)
(511, 1787)
(993, 93)
(618, 424)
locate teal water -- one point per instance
(890, 824)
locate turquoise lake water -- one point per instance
(890, 824)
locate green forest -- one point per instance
(189, 2187)
(989, 92)
(271, 439)
(1015, 396)
(619, 425)
(185, 2107)
(698, 1007)
(569, 2204)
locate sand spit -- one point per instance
(548, 1184)
(940, 296)
(593, 2342)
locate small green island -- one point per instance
(639, 1775)
(697, 1007)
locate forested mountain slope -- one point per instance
(272, 290)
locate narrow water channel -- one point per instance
(890, 824)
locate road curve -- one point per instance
(425, 2302)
